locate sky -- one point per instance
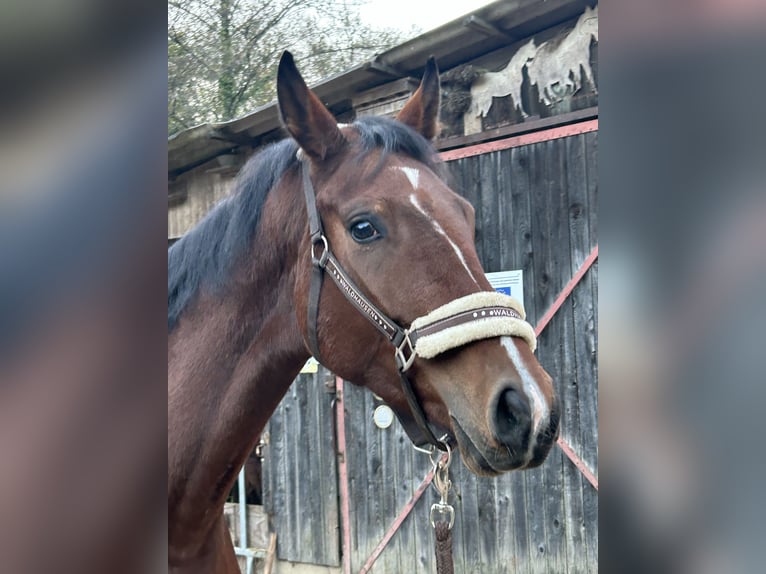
(425, 14)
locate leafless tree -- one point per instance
(222, 53)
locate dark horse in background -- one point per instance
(238, 290)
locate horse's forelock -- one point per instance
(391, 136)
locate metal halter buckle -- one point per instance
(320, 261)
(403, 361)
(442, 511)
(445, 511)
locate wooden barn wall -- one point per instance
(201, 190)
(300, 477)
(536, 211)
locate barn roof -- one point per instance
(471, 36)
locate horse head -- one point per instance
(406, 241)
(587, 23)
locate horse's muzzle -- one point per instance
(514, 445)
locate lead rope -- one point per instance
(442, 516)
(443, 549)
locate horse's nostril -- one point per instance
(512, 417)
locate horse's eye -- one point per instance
(363, 231)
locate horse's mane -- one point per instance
(206, 253)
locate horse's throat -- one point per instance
(226, 378)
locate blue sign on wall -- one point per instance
(508, 282)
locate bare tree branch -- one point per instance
(222, 54)
(183, 8)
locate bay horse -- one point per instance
(409, 313)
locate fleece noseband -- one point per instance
(470, 318)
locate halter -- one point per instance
(481, 315)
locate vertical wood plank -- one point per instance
(522, 233)
(590, 448)
(582, 306)
(590, 391)
(411, 469)
(560, 251)
(387, 492)
(305, 474)
(325, 447)
(466, 485)
(357, 471)
(544, 296)
(489, 170)
(294, 472)
(299, 462)
(487, 524)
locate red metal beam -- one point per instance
(526, 127)
(541, 324)
(524, 139)
(568, 288)
(578, 462)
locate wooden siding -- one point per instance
(198, 193)
(536, 211)
(300, 476)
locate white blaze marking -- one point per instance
(440, 230)
(540, 409)
(412, 174)
(341, 126)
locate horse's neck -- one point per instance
(231, 359)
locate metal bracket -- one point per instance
(320, 261)
(262, 442)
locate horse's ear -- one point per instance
(304, 115)
(421, 112)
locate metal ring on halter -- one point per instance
(442, 483)
(402, 361)
(437, 463)
(430, 450)
(322, 259)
